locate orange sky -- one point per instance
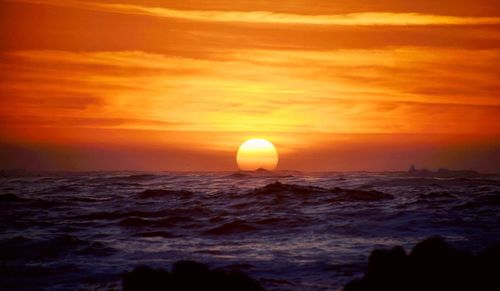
(178, 85)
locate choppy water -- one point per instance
(289, 230)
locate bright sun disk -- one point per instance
(256, 154)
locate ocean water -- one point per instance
(289, 230)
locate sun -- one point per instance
(256, 154)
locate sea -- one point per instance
(289, 230)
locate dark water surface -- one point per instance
(289, 230)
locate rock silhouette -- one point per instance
(432, 265)
(188, 276)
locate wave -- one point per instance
(489, 201)
(434, 182)
(118, 215)
(277, 188)
(336, 194)
(163, 234)
(345, 195)
(141, 222)
(130, 180)
(140, 177)
(89, 199)
(238, 175)
(438, 195)
(13, 248)
(234, 227)
(182, 214)
(152, 193)
(434, 199)
(163, 222)
(9, 199)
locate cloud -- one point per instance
(269, 17)
(336, 91)
(87, 122)
(25, 26)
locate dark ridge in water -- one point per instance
(188, 276)
(169, 221)
(337, 194)
(87, 199)
(123, 179)
(120, 214)
(259, 173)
(65, 189)
(12, 199)
(438, 195)
(432, 265)
(238, 175)
(163, 234)
(233, 227)
(140, 177)
(278, 188)
(151, 193)
(489, 201)
(175, 215)
(276, 221)
(126, 179)
(239, 266)
(21, 247)
(358, 195)
(141, 222)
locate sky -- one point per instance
(179, 85)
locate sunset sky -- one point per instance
(179, 85)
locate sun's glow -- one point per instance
(256, 154)
(209, 75)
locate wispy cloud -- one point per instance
(337, 91)
(270, 17)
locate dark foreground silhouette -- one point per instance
(432, 265)
(188, 276)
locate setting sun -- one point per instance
(256, 154)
